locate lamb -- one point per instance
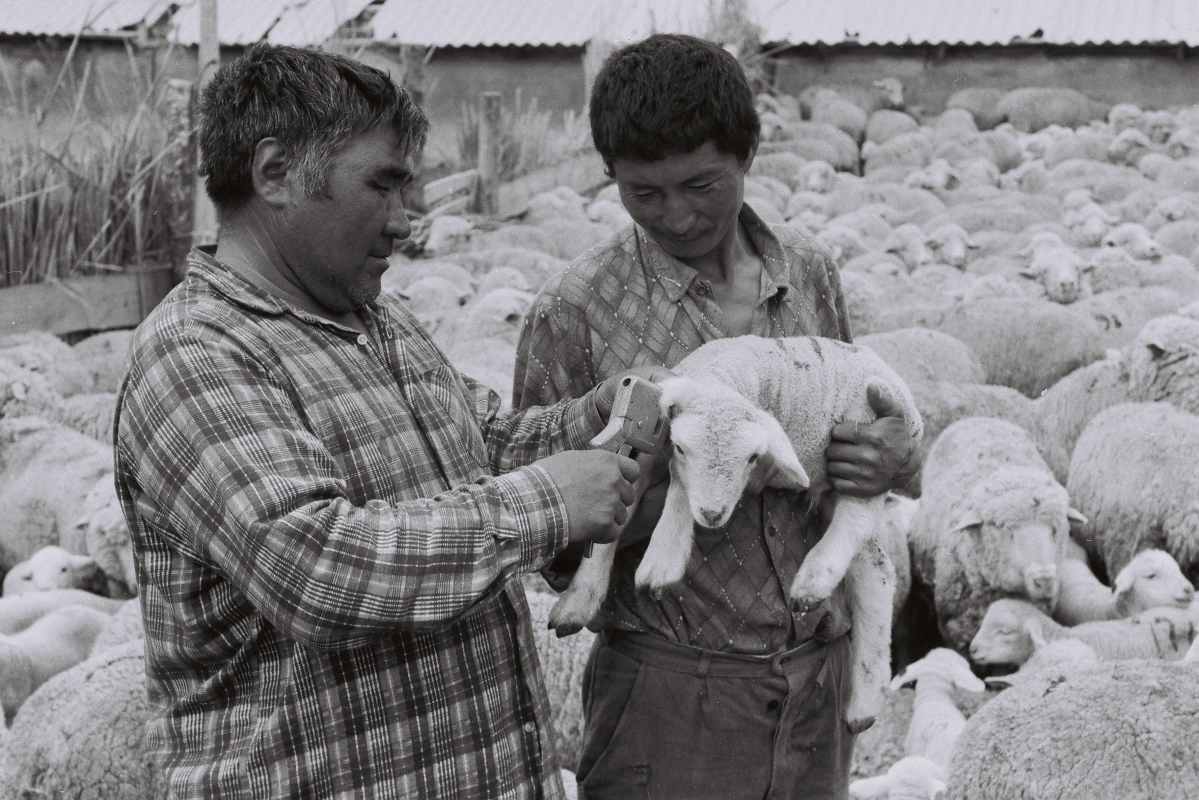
(887, 123)
(783, 166)
(907, 150)
(1060, 657)
(609, 213)
(1011, 627)
(1134, 239)
(1151, 580)
(1128, 147)
(124, 626)
(808, 206)
(536, 265)
(83, 734)
(1122, 313)
(1127, 725)
(103, 355)
(1062, 273)
(19, 612)
(982, 104)
(907, 242)
(829, 107)
(562, 664)
(432, 294)
(816, 176)
(910, 778)
(1183, 143)
(448, 234)
(727, 410)
(561, 202)
(47, 355)
(992, 523)
(1133, 475)
(57, 641)
(46, 474)
(106, 540)
(936, 721)
(52, 567)
(573, 237)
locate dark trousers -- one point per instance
(667, 721)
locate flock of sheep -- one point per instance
(1024, 261)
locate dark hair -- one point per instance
(312, 102)
(668, 95)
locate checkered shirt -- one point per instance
(326, 561)
(628, 303)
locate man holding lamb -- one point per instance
(716, 688)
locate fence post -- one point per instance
(180, 171)
(489, 153)
(209, 57)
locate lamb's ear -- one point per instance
(906, 677)
(1029, 273)
(1075, 518)
(970, 520)
(788, 474)
(1123, 583)
(676, 394)
(1033, 628)
(973, 245)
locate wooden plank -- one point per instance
(96, 303)
(438, 190)
(582, 173)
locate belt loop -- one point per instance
(705, 661)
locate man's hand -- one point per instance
(605, 393)
(867, 460)
(597, 488)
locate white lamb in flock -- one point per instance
(936, 720)
(55, 642)
(733, 402)
(1151, 580)
(52, 567)
(1011, 630)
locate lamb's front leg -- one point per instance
(870, 585)
(825, 565)
(582, 599)
(669, 550)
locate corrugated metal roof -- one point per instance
(484, 23)
(989, 22)
(314, 20)
(238, 21)
(69, 17)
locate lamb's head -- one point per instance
(1128, 147)
(719, 439)
(53, 567)
(1049, 660)
(1134, 238)
(1163, 362)
(909, 778)
(1159, 126)
(943, 663)
(1183, 143)
(1151, 580)
(907, 242)
(1124, 116)
(1010, 530)
(1009, 633)
(952, 244)
(817, 176)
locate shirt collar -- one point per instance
(203, 263)
(676, 277)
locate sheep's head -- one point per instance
(817, 176)
(952, 244)
(1060, 270)
(1123, 116)
(1159, 126)
(720, 440)
(1163, 362)
(1009, 633)
(892, 91)
(907, 242)
(1151, 580)
(944, 663)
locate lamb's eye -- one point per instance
(678, 450)
(1151, 576)
(753, 457)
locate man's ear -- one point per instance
(270, 173)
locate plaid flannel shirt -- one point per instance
(628, 303)
(326, 563)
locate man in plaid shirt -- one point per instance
(327, 561)
(717, 689)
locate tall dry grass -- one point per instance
(529, 138)
(91, 197)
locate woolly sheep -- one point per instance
(816, 176)
(1128, 726)
(536, 265)
(982, 104)
(523, 237)
(106, 539)
(609, 213)
(19, 612)
(573, 237)
(432, 294)
(1060, 657)
(103, 355)
(563, 661)
(1180, 236)
(770, 189)
(1120, 314)
(57, 641)
(936, 721)
(845, 242)
(908, 242)
(124, 626)
(937, 176)
(498, 314)
(907, 150)
(829, 107)
(810, 203)
(1133, 475)
(1062, 273)
(887, 123)
(921, 355)
(561, 202)
(1031, 177)
(1011, 628)
(1183, 143)
(819, 140)
(1170, 209)
(1128, 147)
(1152, 579)
(992, 523)
(726, 409)
(1154, 165)
(47, 355)
(1134, 239)
(46, 474)
(769, 214)
(501, 277)
(782, 166)
(447, 234)
(52, 567)
(83, 734)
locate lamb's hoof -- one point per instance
(802, 605)
(658, 576)
(571, 613)
(857, 726)
(814, 582)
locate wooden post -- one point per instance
(489, 152)
(205, 218)
(180, 171)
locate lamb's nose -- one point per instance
(712, 518)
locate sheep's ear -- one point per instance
(82, 522)
(676, 394)
(1033, 628)
(973, 245)
(870, 788)
(970, 520)
(788, 473)
(1029, 273)
(906, 677)
(1123, 583)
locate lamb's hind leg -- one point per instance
(581, 600)
(825, 565)
(870, 584)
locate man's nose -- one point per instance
(398, 226)
(677, 217)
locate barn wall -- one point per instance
(1153, 77)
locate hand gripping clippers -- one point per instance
(635, 424)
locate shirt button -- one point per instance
(701, 288)
(772, 705)
(362, 339)
(773, 531)
(529, 727)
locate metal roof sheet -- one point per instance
(69, 17)
(987, 22)
(238, 21)
(484, 23)
(314, 21)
